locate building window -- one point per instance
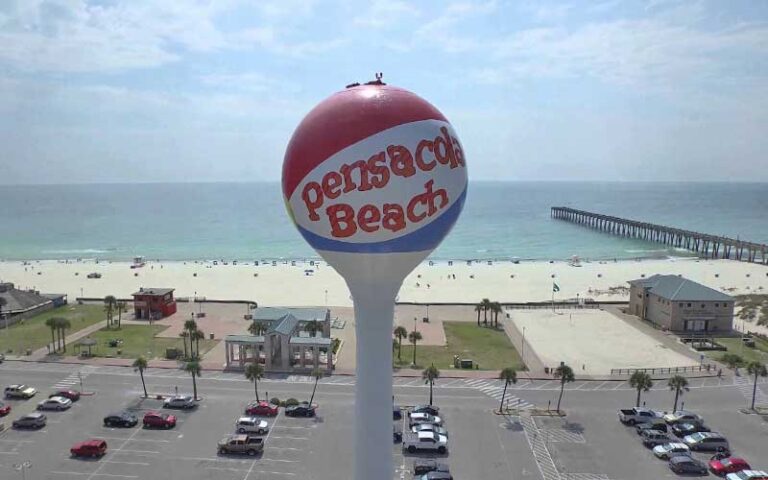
(717, 305)
(680, 305)
(703, 306)
(689, 304)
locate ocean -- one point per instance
(247, 221)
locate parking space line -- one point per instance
(600, 386)
(126, 463)
(9, 453)
(290, 438)
(150, 452)
(266, 438)
(278, 460)
(57, 472)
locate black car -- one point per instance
(641, 427)
(686, 464)
(121, 419)
(420, 467)
(430, 409)
(396, 413)
(303, 409)
(683, 429)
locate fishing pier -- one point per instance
(704, 245)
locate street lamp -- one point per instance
(23, 467)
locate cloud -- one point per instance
(386, 14)
(442, 31)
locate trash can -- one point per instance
(546, 370)
(212, 336)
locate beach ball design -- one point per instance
(374, 169)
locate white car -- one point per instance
(19, 391)
(747, 475)
(251, 425)
(180, 401)
(55, 403)
(429, 427)
(682, 416)
(417, 418)
(669, 450)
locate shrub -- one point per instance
(290, 402)
(336, 345)
(275, 401)
(731, 360)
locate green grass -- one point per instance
(139, 340)
(733, 344)
(490, 349)
(33, 334)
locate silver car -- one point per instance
(185, 402)
(55, 403)
(32, 420)
(417, 418)
(429, 427)
(706, 441)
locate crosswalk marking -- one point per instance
(495, 390)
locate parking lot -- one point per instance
(588, 444)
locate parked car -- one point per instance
(304, 409)
(159, 420)
(651, 438)
(429, 427)
(420, 467)
(2, 357)
(727, 465)
(683, 429)
(5, 409)
(397, 435)
(94, 275)
(635, 415)
(682, 416)
(706, 441)
(73, 395)
(89, 448)
(240, 444)
(657, 424)
(261, 408)
(31, 420)
(430, 409)
(184, 402)
(425, 441)
(251, 425)
(20, 391)
(684, 464)
(55, 403)
(121, 419)
(666, 451)
(436, 476)
(748, 475)
(417, 418)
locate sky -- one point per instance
(184, 91)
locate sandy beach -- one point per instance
(300, 284)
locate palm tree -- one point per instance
(486, 304)
(64, 325)
(53, 324)
(110, 303)
(254, 372)
(312, 327)
(193, 368)
(256, 328)
(430, 374)
(318, 374)
(3, 302)
(758, 370)
(565, 374)
(679, 384)
(139, 365)
(509, 375)
(496, 310)
(478, 309)
(196, 335)
(184, 334)
(400, 334)
(642, 382)
(414, 337)
(121, 307)
(732, 360)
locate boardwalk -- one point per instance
(705, 245)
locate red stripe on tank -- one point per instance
(346, 118)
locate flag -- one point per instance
(555, 288)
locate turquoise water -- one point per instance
(247, 221)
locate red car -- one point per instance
(159, 420)
(4, 409)
(727, 465)
(70, 394)
(264, 409)
(89, 448)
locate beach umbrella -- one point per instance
(374, 178)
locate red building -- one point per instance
(154, 303)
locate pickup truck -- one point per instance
(636, 415)
(241, 444)
(425, 441)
